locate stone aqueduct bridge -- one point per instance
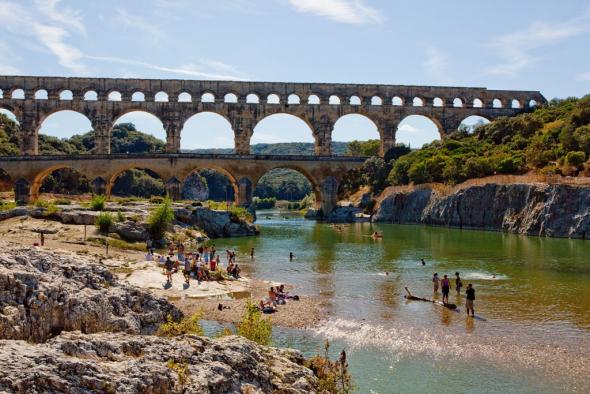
(243, 171)
(243, 104)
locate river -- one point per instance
(534, 294)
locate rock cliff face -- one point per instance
(44, 293)
(533, 209)
(121, 363)
(216, 224)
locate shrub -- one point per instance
(575, 159)
(6, 205)
(156, 199)
(478, 167)
(62, 201)
(188, 325)
(97, 202)
(104, 221)
(399, 173)
(264, 203)
(418, 173)
(254, 327)
(120, 217)
(333, 376)
(160, 219)
(181, 369)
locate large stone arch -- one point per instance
(380, 126)
(125, 166)
(185, 173)
(296, 114)
(187, 117)
(35, 185)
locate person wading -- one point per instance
(435, 282)
(470, 298)
(446, 285)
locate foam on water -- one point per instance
(484, 276)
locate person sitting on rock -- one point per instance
(236, 271)
(266, 306)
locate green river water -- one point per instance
(535, 339)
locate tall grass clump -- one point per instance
(254, 327)
(97, 202)
(103, 222)
(160, 219)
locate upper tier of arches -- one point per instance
(53, 88)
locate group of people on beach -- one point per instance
(445, 285)
(200, 264)
(276, 296)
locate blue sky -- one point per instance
(501, 44)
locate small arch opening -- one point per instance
(437, 102)
(138, 96)
(252, 99)
(313, 99)
(417, 102)
(41, 94)
(477, 103)
(397, 101)
(334, 100)
(376, 100)
(497, 103)
(161, 97)
(515, 104)
(18, 94)
(533, 104)
(273, 99)
(230, 98)
(90, 95)
(184, 97)
(457, 102)
(207, 98)
(66, 95)
(1, 94)
(354, 100)
(293, 99)
(114, 96)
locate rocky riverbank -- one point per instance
(207, 223)
(68, 325)
(532, 209)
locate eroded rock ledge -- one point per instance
(121, 363)
(43, 293)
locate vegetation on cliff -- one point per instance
(554, 138)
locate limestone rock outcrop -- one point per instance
(532, 209)
(43, 293)
(123, 363)
(216, 224)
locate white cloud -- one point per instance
(407, 128)
(584, 76)
(437, 66)
(64, 16)
(52, 37)
(518, 48)
(149, 29)
(344, 11)
(188, 69)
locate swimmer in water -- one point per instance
(386, 273)
(493, 276)
(423, 262)
(291, 256)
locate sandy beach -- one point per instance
(130, 266)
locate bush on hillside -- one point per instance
(160, 219)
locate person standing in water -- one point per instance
(423, 262)
(470, 298)
(251, 253)
(458, 283)
(291, 256)
(435, 282)
(445, 289)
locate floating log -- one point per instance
(410, 296)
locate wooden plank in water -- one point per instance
(410, 296)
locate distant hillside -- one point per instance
(281, 148)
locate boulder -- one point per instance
(43, 293)
(131, 231)
(14, 212)
(344, 214)
(216, 224)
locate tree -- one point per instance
(363, 148)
